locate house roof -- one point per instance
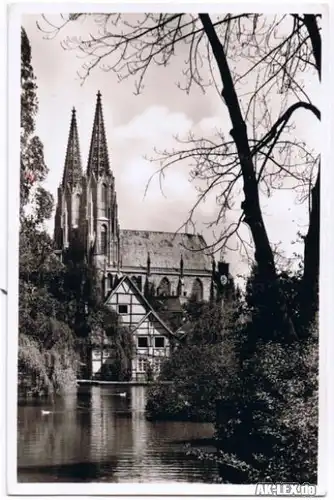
(170, 304)
(184, 329)
(149, 308)
(165, 249)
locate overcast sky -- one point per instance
(134, 126)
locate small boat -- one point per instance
(46, 412)
(122, 394)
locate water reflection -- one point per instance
(97, 435)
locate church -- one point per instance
(170, 266)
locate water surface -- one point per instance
(97, 436)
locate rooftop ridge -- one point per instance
(162, 232)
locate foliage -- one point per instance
(199, 375)
(200, 369)
(33, 168)
(109, 333)
(47, 358)
(45, 371)
(271, 434)
(267, 421)
(46, 341)
(210, 323)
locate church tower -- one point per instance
(103, 233)
(87, 212)
(69, 211)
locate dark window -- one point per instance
(123, 309)
(159, 341)
(142, 342)
(104, 240)
(104, 199)
(197, 290)
(164, 287)
(76, 210)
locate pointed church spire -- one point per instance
(72, 169)
(98, 161)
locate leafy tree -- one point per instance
(47, 358)
(198, 375)
(210, 323)
(33, 168)
(267, 428)
(200, 369)
(260, 431)
(108, 332)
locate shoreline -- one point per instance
(112, 382)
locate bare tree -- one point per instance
(261, 155)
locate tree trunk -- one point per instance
(251, 205)
(310, 285)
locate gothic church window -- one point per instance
(65, 233)
(197, 290)
(76, 210)
(164, 287)
(104, 239)
(104, 199)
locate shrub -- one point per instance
(269, 431)
(199, 375)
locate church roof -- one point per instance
(164, 248)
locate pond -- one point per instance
(97, 435)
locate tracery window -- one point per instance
(197, 290)
(164, 287)
(76, 210)
(104, 239)
(104, 199)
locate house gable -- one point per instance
(129, 302)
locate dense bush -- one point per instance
(272, 437)
(199, 375)
(201, 368)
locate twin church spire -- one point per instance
(98, 159)
(72, 169)
(86, 212)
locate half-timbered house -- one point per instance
(152, 338)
